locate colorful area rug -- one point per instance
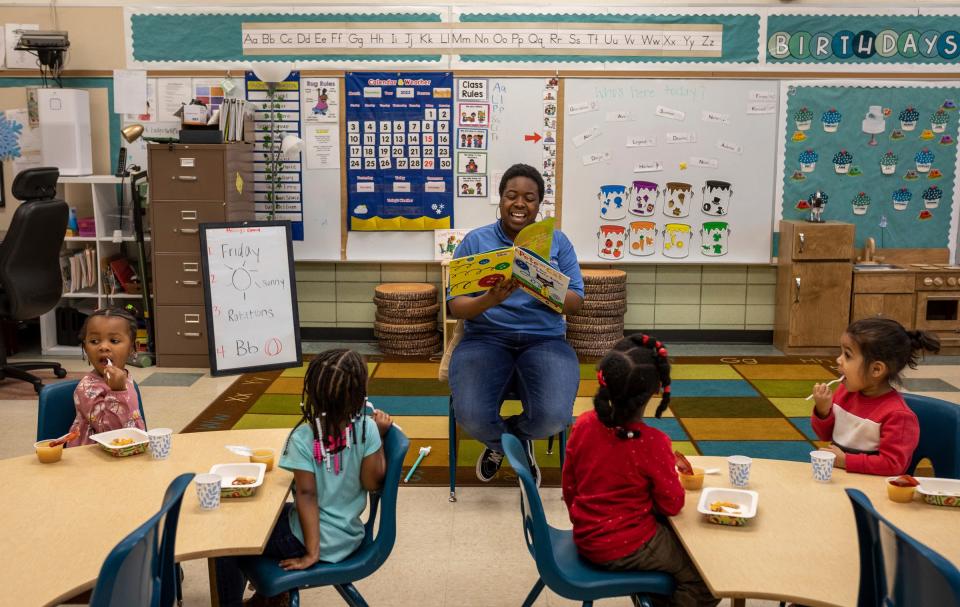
(720, 406)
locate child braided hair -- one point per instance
(630, 374)
(333, 401)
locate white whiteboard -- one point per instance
(621, 136)
(251, 296)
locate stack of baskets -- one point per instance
(599, 325)
(406, 322)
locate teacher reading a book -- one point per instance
(511, 338)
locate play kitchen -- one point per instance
(938, 301)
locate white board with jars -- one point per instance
(669, 170)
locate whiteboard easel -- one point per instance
(250, 295)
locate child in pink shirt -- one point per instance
(869, 426)
(105, 398)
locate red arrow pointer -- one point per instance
(534, 138)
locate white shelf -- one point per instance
(81, 295)
(59, 350)
(80, 239)
(91, 179)
(123, 296)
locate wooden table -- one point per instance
(802, 546)
(60, 520)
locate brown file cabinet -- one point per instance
(190, 185)
(814, 271)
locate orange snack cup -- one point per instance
(904, 495)
(47, 454)
(263, 456)
(692, 482)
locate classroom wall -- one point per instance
(658, 296)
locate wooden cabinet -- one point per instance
(190, 185)
(813, 286)
(889, 294)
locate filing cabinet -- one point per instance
(190, 185)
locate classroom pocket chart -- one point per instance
(399, 151)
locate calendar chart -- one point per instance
(399, 151)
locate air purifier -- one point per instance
(65, 130)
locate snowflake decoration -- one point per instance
(9, 138)
(437, 208)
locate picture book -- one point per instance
(445, 242)
(525, 262)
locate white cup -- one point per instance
(160, 441)
(739, 468)
(822, 462)
(208, 490)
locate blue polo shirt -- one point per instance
(520, 313)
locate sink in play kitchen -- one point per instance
(874, 267)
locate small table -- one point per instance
(61, 520)
(802, 546)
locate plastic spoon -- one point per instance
(241, 450)
(841, 378)
(66, 438)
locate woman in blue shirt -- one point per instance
(510, 335)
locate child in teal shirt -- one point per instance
(336, 456)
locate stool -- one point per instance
(511, 394)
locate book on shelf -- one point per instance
(78, 270)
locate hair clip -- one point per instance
(600, 379)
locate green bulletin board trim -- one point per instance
(218, 37)
(113, 118)
(863, 39)
(740, 37)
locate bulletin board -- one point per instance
(884, 156)
(516, 111)
(669, 170)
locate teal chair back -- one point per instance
(897, 570)
(141, 570)
(56, 411)
(939, 434)
(270, 580)
(561, 568)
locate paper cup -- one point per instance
(160, 440)
(208, 490)
(822, 465)
(739, 467)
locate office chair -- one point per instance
(30, 280)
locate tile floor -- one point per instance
(464, 554)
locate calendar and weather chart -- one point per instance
(399, 150)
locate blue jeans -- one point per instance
(547, 375)
(283, 544)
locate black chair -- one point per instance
(30, 279)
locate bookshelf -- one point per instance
(95, 196)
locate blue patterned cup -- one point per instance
(208, 490)
(822, 465)
(739, 466)
(160, 440)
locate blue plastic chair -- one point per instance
(511, 394)
(939, 434)
(140, 570)
(270, 580)
(560, 566)
(920, 576)
(56, 411)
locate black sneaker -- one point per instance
(528, 448)
(488, 464)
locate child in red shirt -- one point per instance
(869, 425)
(620, 474)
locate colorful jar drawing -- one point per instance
(677, 198)
(610, 241)
(676, 240)
(643, 198)
(716, 197)
(613, 201)
(643, 237)
(713, 238)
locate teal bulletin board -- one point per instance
(885, 156)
